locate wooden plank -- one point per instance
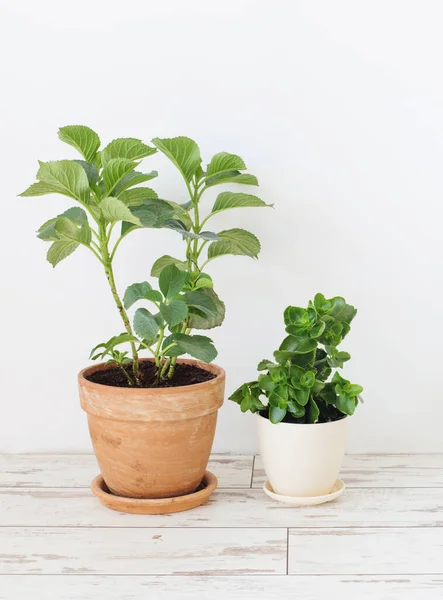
(381, 470)
(370, 507)
(136, 551)
(78, 470)
(41, 587)
(390, 551)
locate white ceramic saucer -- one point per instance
(337, 490)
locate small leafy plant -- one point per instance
(110, 191)
(298, 385)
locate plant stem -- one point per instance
(173, 361)
(131, 383)
(158, 347)
(165, 367)
(107, 263)
(197, 228)
(172, 367)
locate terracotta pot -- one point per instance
(154, 442)
(302, 460)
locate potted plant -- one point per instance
(152, 420)
(302, 427)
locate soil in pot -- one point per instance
(183, 375)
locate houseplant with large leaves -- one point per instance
(111, 201)
(302, 400)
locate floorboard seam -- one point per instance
(252, 473)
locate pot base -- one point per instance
(337, 490)
(157, 506)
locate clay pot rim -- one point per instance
(128, 391)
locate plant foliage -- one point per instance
(112, 201)
(300, 385)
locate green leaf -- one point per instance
(239, 394)
(171, 280)
(227, 200)
(181, 214)
(114, 210)
(231, 177)
(151, 213)
(336, 358)
(165, 260)
(276, 414)
(298, 344)
(333, 333)
(137, 291)
(337, 378)
(208, 322)
(321, 304)
(129, 148)
(307, 379)
(282, 357)
(179, 226)
(222, 162)
(342, 312)
(235, 241)
(296, 410)
(40, 189)
(246, 403)
(317, 387)
(115, 170)
(65, 177)
(174, 313)
(300, 394)
(198, 346)
(266, 383)
(312, 411)
(145, 325)
(279, 396)
(278, 374)
(132, 179)
(183, 152)
(135, 196)
(70, 230)
(60, 250)
(303, 360)
(91, 171)
(346, 404)
(82, 138)
(154, 296)
(328, 394)
(204, 281)
(199, 173)
(295, 315)
(111, 344)
(265, 364)
(76, 214)
(353, 389)
(47, 231)
(202, 302)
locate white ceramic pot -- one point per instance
(302, 460)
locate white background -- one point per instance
(337, 107)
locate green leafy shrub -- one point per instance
(111, 192)
(298, 385)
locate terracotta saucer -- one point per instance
(337, 490)
(156, 506)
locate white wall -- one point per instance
(337, 107)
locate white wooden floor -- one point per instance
(383, 539)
